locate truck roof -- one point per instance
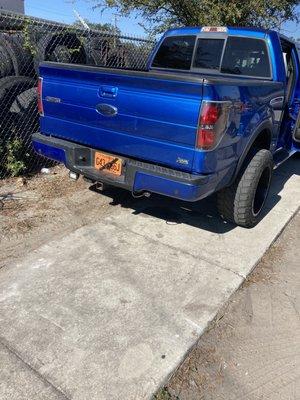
(233, 30)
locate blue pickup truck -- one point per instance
(216, 110)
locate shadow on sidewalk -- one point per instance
(202, 214)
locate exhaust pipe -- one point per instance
(140, 195)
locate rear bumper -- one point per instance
(138, 176)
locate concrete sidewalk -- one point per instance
(109, 311)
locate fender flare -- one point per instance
(264, 126)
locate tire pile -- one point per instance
(18, 94)
(20, 55)
(17, 76)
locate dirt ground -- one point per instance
(46, 206)
(252, 352)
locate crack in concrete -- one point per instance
(292, 302)
(46, 381)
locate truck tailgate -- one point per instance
(155, 114)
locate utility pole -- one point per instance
(83, 23)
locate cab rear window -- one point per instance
(246, 56)
(241, 56)
(176, 52)
(208, 53)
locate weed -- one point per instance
(15, 163)
(163, 394)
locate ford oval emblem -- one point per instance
(107, 110)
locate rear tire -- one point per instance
(243, 201)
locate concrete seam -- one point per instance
(11, 350)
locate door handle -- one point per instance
(277, 103)
(108, 92)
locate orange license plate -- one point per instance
(106, 163)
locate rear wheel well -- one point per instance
(262, 141)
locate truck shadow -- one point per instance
(202, 214)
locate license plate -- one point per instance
(102, 163)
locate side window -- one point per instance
(175, 52)
(246, 56)
(209, 53)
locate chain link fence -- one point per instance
(24, 43)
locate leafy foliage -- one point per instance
(99, 27)
(163, 394)
(162, 14)
(15, 162)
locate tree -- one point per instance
(162, 14)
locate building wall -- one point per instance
(12, 5)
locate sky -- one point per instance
(62, 10)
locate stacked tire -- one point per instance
(63, 47)
(18, 94)
(17, 75)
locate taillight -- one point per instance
(40, 97)
(212, 124)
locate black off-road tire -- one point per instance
(242, 202)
